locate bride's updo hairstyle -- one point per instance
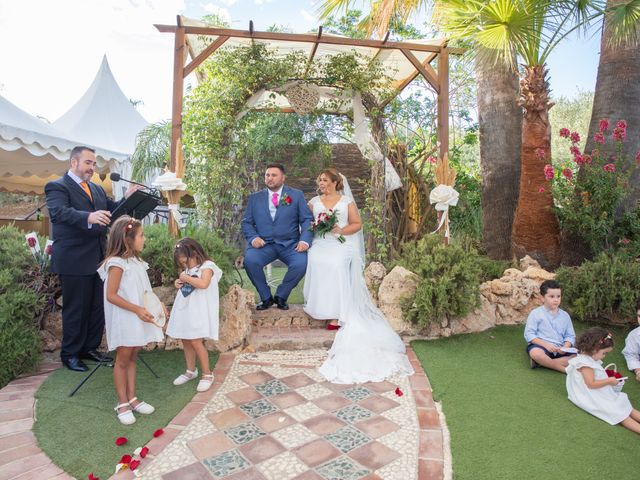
(334, 176)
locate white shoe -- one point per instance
(126, 417)
(142, 407)
(182, 379)
(205, 383)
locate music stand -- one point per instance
(138, 205)
(105, 363)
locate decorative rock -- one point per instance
(537, 273)
(527, 261)
(373, 276)
(398, 284)
(235, 323)
(166, 294)
(498, 287)
(274, 317)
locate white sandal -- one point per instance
(126, 417)
(142, 407)
(182, 379)
(205, 383)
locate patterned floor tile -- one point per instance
(256, 378)
(195, 471)
(314, 391)
(378, 404)
(282, 467)
(244, 395)
(332, 402)
(210, 445)
(261, 449)
(374, 455)
(304, 411)
(286, 400)
(317, 452)
(274, 421)
(294, 436)
(347, 438)
(244, 433)
(380, 387)
(353, 413)
(228, 418)
(342, 468)
(248, 474)
(323, 424)
(258, 408)
(355, 394)
(377, 427)
(271, 388)
(226, 463)
(298, 380)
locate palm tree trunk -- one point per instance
(535, 228)
(500, 129)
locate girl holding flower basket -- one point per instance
(366, 348)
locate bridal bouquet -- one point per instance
(325, 223)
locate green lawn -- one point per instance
(510, 422)
(278, 274)
(78, 433)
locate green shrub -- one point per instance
(449, 280)
(158, 253)
(490, 268)
(15, 256)
(604, 289)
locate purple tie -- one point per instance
(274, 199)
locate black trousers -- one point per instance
(82, 314)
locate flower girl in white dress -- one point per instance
(366, 348)
(591, 389)
(129, 324)
(195, 312)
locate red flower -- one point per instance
(624, 241)
(126, 459)
(609, 167)
(619, 134)
(287, 199)
(548, 172)
(567, 173)
(432, 160)
(599, 138)
(604, 125)
(621, 124)
(31, 241)
(121, 441)
(575, 137)
(144, 451)
(564, 132)
(574, 150)
(399, 392)
(613, 373)
(47, 249)
(539, 152)
(158, 432)
(91, 476)
(134, 464)
(587, 159)
(580, 159)
(541, 190)
(638, 158)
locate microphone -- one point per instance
(115, 177)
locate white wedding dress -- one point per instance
(366, 348)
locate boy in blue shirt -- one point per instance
(549, 332)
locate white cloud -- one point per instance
(217, 10)
(228, 3)
(259, 2)
(307, 16)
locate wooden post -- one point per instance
(443, 101)
(177, 162)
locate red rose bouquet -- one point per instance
(324, 223)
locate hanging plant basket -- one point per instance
(302, 98)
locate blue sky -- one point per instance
(52, 65)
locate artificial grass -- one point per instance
(278, 273)
(78, 433)
(508, 421)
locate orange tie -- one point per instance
(86, 189)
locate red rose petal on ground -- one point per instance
(126, 459)
(158, 432)
(92, 477)
(121, 440)
(399, 392)
(134, 464)
(144, 451)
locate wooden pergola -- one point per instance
(410, 59)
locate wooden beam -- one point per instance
(443, 102)
(313, 52)
(409, 79)
(301, 37)
(195, 63)
(429, 74)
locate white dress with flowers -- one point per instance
(366, 348)
(124, 328)
(604, 403)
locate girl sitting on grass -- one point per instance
(591, 389)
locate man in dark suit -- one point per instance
(80, 212)
(276, 225)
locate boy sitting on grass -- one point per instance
(549, 332)
(631, 350)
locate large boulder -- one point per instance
(373, 276)
(398, 284)
(235, 321)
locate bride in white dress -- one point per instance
(366, 348)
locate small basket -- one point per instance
(153, 304)
(613, 368)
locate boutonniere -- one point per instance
(285, 199)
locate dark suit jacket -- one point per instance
(290, 225)
(77, 249)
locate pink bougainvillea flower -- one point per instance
(121, 441)
(625, 241)
(158, 432)
(604, 125)
(144, 451)
(599, 138)
(580, 159)
(638, 157)
(574, 150)
(609, 167)
(621, 124)
(432, 160)
(565, 132)
(91, 476)
(540, 152)
(399, 392)
(619, 134)
(541, 190)
(134, 464)
(567, 173)
(548, 172)
(575, 137)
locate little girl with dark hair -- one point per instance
(195, 315)
(591, 389)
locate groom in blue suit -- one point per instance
(276, 226)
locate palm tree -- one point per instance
(152, 152)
